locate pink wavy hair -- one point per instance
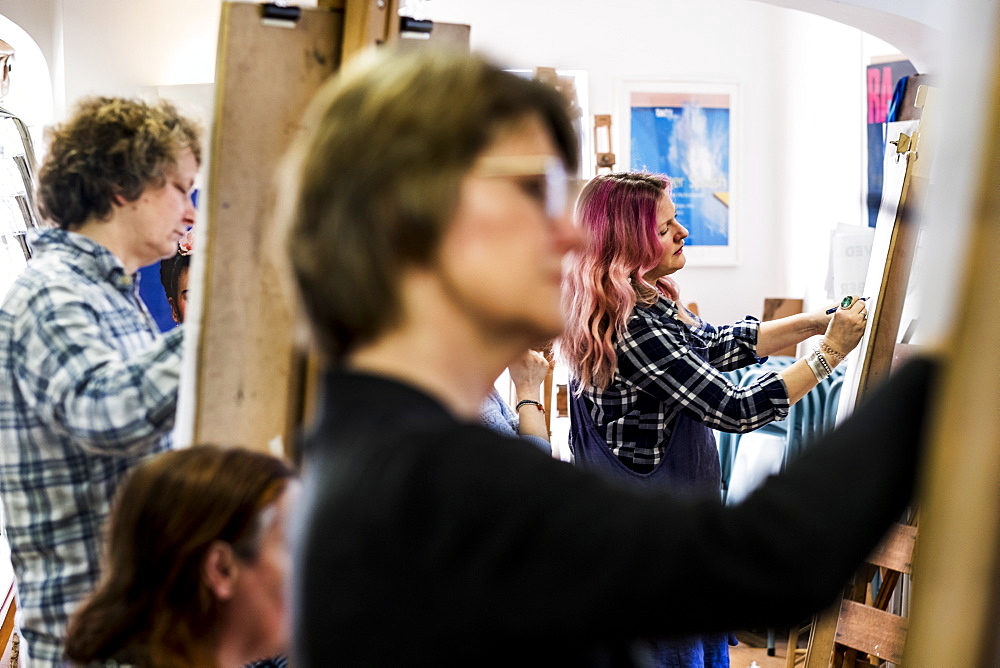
(604, 280)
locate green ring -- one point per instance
(846, 302)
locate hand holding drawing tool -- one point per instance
(830, 311)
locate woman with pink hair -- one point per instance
(646, 372)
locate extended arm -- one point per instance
(657, 356)
(775, 335)
(728, 346)
(527, 373)
(478, 540)
(81, 386)
(676, 566)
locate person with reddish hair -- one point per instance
(195, 565)
(648, 387)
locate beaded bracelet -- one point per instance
(823, 362)
(530, 402)
(840, 357)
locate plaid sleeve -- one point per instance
(657, 357)
(276, 662)
(80, 384)
(730, 346)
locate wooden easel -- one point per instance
(602, 139)
(8, 611)
(248, 372)
(251, 373)
(872, 361)
(861, 625)
(955, 611)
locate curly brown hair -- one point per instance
(110, 147)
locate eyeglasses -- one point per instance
(551, 187)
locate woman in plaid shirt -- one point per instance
(89, 384)
(647, 381)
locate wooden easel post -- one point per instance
(955, 611)
(606, 158)
(884, 330)
(366, 23)
(248, 370)
(253, 380)
(827, 641)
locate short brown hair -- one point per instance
(373, 183)
(151, 607)
(110, 146)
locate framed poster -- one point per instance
(885, 105)
(688, 132)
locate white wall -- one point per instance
(800, 78)
(41, 20)
(119, 46)
(801, 81)
(913, 26)
(30, 93)
(124, 46)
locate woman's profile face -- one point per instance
(162, 214)
(671, 235)
(501, 257)
(259, 600)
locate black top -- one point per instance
(429, 541)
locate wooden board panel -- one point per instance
(878, 346)
(7, 613)
(884, 328)
(873, 631)
(367, 22)
(897, 174)
(454, 35)
(819, 652)
(896, 549)
(247, 371)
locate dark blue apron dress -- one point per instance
(690, 464)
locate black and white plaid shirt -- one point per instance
(660, 375)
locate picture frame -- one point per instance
(688, 131)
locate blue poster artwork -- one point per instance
(690, 144)
(886, 86)
(151, 292)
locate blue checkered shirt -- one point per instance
(89, 389)
(660, 376)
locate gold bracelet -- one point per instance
(840, 357)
